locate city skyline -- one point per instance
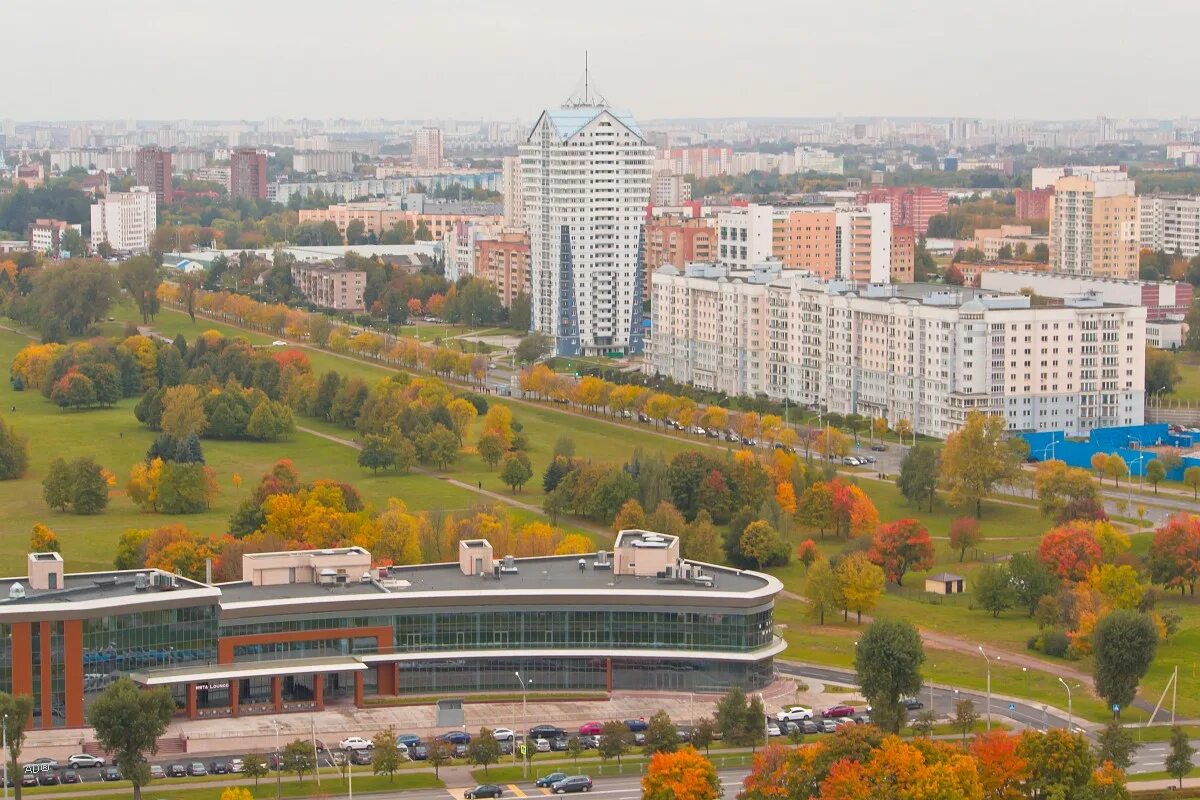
(988, 60)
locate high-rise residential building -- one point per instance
(514, 192)
(459, 243)
(670, 190)
(1170, 223)
(929, 354)
(745, 236)
(427, 152)
(587, 173)
(812, 159)
(248, 174)
(323, 162)
(904, 254)
(1033, 203)
(504, 263)
(154, 170)
(126, 220)
(677, 240)
(1094, 225)
(911, 205)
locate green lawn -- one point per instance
(1189, 370)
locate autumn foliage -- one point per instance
(900, 546)
(682, 774)
(1070, 551)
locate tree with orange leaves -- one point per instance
(1070, 551)
(921, 770)
(853, 513)
(1002, 770)
(900, 546)
(682, 774)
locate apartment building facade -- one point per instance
(378, 217)
(248, 174)
(912, 206)
(904, 254)
(677, 240)
(1020, 239)
(504, 263)
(1094, 220)
(330, 285)
(514, 192)
(1033, 203)
(928, 354)
(427, 149)
(1161, 299)
(45, 236)
(125, 220)
(154, 170)
(587, 178)
(1170, 223)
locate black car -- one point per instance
(456, 737)
(589, 742)
(360, 757)
(879, 448)
(911, 703)
(177, 771)
(483, 790)
(69, 776)
(418, 752)
(547, 732)
(47, 778)
(636, 725)
(575, 783)
(110, 774)
(551, 779)
(218, 767)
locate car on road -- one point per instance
(69, 776)
(49, 763)
(156, 771)
(590, 728)
(794, 714)
(636, 725)
(456, 737)
(545, 732)
(175, 771)
(867, 459)
(279, 343)
(355, 743)
(236, 765)
(851, 461)
(840, 710)
(196, 769)
(549, 780)
(110, 774)
(411, 739)
(911, 703)
(483, 790)
(879, 448)
(575, 783)
(83, 760)
(503, 734)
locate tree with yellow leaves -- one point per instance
(681, 774)
(574, 544)
(144, 479)
(462, 415)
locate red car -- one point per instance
(838, 711)
(590, 729)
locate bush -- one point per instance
(1056, 644)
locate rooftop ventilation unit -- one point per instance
(602, 561)
(16, 592)
(327, 577)
(140, 582)
(509, 566)
(105, 581)
(366, 578)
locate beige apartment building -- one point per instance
(1094, 225)
(504, 263)
(379, 217)
(926, 353)
(330, 285)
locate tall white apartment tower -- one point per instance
(587, 172)
(126, 220)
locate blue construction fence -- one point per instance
(1126, 441)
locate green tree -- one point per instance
(965, 717)
(758, 541)
(385, 755)
(182, 412)
(14, 453)
(402, 452)
(703, 734)
(56, 486)
(1031, 581)
(1116, 745)
(888, 661)
(374, 454)
(574, 750)
(484, 749)
(1162, 371)
(356, 232)
(17, 711)
(439, 447)
(993, 588)
(1156, 473)
(1123, 647)
(254, 765)
(730, 718)
(823, 590)
(703, 541)
(1191, 479)
(1060, 764)
(492, 447)
(299, 757)
(515, 469)
(139, 277)
(185, 488)
(976, 458)
(615, 739)
(918, 475)
(519, 312)
(439, 755)
(662, 735)
(1179, 759)
(71, 243)
(128, 721)
(923, 723)
(533, 348)
(78, 486)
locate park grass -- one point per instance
(1188, 388)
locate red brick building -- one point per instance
(248, 174)
(676, 240)
(153, 169)
(904, 254)
(913, 206)
(504, 263)
(1034, 203)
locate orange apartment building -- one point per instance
(380, 217)
(807, 240)
(676, 240)
(904, 254)
(504, 263)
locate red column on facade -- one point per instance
(235, 687)
(277, 693)
(191, 701)
(358, 689)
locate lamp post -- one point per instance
(6, 757)
(279, 760)
(1070, 715)
(1025, 672)
(524, 698)
(989, 686)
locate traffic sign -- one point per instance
(1012, 706)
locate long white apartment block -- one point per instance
(925, 353)
(1170, 223)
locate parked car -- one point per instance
(840, 710)
(794, 714)
(356, 743)
(83, 760)
(714, 434)
(911, 703)
(850, 461)
(503, 734)
(639, 738)
(236, 765)
(418, 752)
(456, 737)
(545, 732)
(827, 726)
(110, 774)
(806, 726)
(643, 417)
(196, 769)
(483, 790)
(559, 743)
(156, 771)
(218, 767)
(29, 779)
(541, 746)
(460, 750)
(176, 771)
(636, 725)
(589, 742)
(360, 757)
(47, 778)
(411, 739)
(861, 719)
(590, 729)
(575, 783)
(840, 721)
(550, 780)
(867, 459)
(49, 763)
(773, 728)
(70, 776)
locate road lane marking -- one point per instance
(517, 790)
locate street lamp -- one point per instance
(1069, 709)
(1025, 672)
(524, 697)
(279, 760)
(989, 686)
(5, 757)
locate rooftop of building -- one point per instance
(82, 587)
(569, 120)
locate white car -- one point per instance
(356, 743)
(851, 461)
(236, 765)
(279, 343)
(502, 734)
(773, 728)
(541, 746)
(794, 714)
(80, 760)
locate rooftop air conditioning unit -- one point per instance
(16, 592)
(141, 582)
(326, 577)
(602, 561)
(509, 565)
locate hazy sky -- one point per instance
(506, 59)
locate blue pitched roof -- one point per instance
(569, 121)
